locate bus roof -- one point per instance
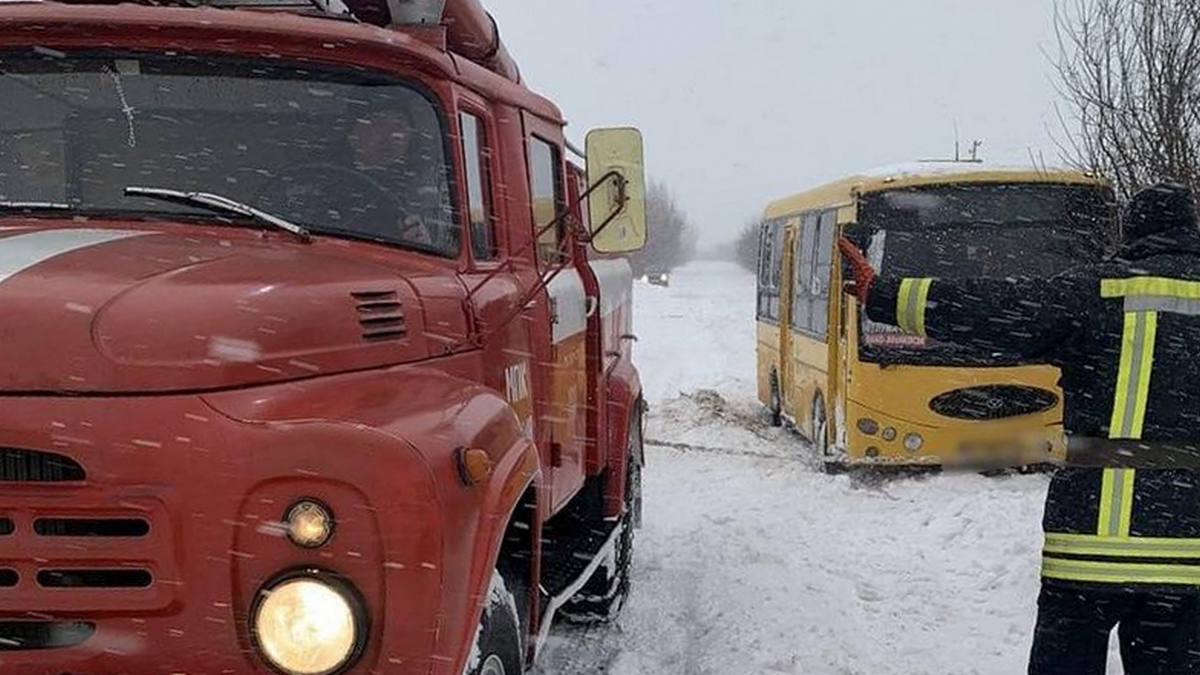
(843, 192)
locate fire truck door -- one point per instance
(565, 388)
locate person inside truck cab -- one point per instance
(382, 185)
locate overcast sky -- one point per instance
(743, 101)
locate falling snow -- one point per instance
(752, 560)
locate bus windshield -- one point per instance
(989, 230)
(338, 152)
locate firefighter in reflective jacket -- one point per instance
(1122, 526)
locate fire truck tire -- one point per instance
(601, 599)
(498, 648)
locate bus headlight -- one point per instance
(913, 442)
(309, 524)
(306, 626)
(868, 426)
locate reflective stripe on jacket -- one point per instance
(1126, 335)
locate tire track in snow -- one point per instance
(690, 447)
(753, 561)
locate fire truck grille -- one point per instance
(24, 635)
(381, 315)
(99, 551)
(91, 527)
(32, 466)
(82, 578)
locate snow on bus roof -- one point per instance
(914, 174)
(953, 168)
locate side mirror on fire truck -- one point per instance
(617, 203)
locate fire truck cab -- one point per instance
(311, 363)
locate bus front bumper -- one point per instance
(875, 439)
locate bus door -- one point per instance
(841, 349)
(849, 336)
(808, 355)
(770, 330)
(564, 397)
(787, 295)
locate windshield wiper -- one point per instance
(217, 203)
(34, 206)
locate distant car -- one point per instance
(658, 277)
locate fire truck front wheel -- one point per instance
(497, 648)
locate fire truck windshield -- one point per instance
(338, 152)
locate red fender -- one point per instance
(624, 401)
(436, 414)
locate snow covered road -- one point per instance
(753, 561)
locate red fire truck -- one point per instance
(310, 364)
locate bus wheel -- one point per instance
(775, 408)
(498, 641)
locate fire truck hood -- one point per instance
(99, 309)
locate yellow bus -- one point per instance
(864, 393)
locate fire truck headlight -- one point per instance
(306, 626)
(309, 524)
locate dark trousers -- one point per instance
(1159, 631)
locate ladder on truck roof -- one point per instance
(384, 12)
(393, 12)
(470, 30)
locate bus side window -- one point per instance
(770, 268)
(804, 261)
(546, 187)
(764, 267)
(779, 236)
(823, 272)
(479, 198)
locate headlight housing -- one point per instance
(308, 624)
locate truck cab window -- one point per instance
(479, 197)
(546, 189)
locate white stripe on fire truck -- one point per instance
(616, 286)
(566, 292)
(22, 251)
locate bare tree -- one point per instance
(746, 248)
(672, 240)
(1130, 72)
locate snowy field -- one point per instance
(753, 561)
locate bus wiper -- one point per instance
(217, 203)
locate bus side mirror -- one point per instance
(617, 195)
